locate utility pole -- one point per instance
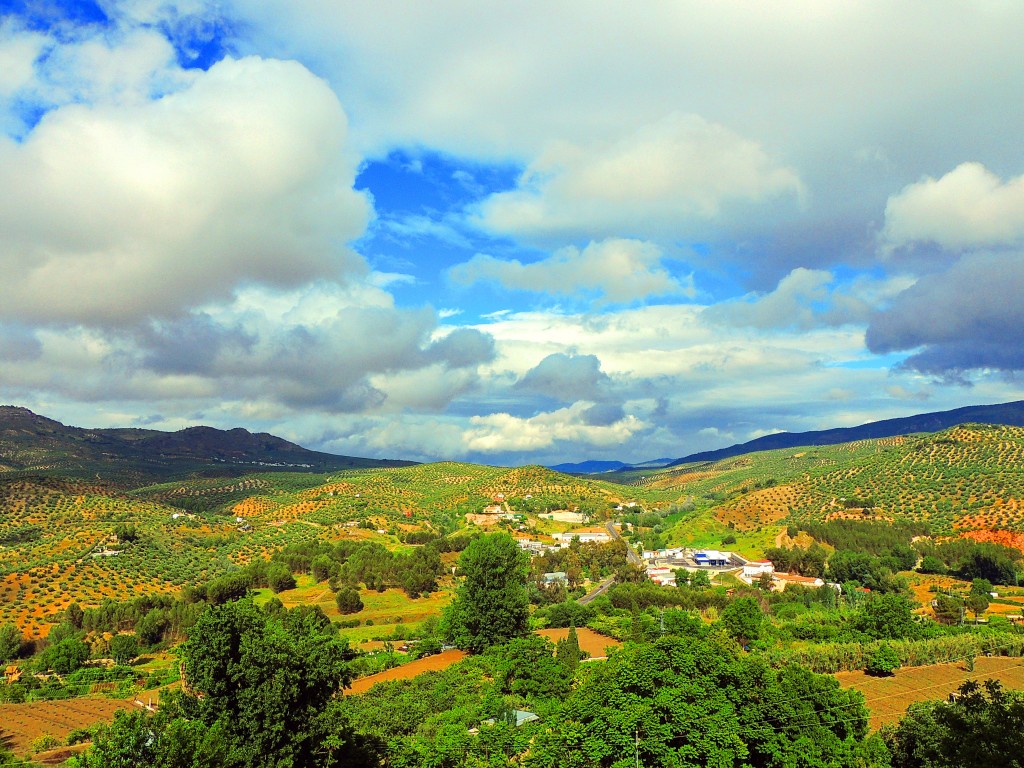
(636, 735)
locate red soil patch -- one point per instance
(1007, 538)
(22, 723)
(590, 641)
(434, 663)
(887, 698)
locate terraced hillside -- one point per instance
(68, 540)
(970, 477)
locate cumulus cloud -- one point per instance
(969, 207)
(968, 317)
(504, 433)
(18, 52)
(130, 211)
(619, 270)
(789, 305)
(670, 178)
(325, 349)
(567, 377)
(809, 298)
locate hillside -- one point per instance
(1011, 414)
(963, 479)
(58, 535)
(34, 444)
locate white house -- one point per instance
(753, 570)
(666, 577)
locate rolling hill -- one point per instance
(34, 444)
(1010, 414)
(963, 480)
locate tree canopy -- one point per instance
(492, 605)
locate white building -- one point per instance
(753, 570)
(666, 577)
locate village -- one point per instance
(661, 565)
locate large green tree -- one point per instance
(10, 642)
(491, 606)
(688, 702)
(981, 728)
(266, 682)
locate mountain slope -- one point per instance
(1010, 414)
(30, 443)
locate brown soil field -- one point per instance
(887, 698)
(434, 663)
(590, 641)
(60, 755)
(483, 521)
(22, 723)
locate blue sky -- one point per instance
(509, 234)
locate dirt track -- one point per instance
(427, 664)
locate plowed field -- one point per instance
(590, 641)
(22, 723)
(433, 663)
(887, 698)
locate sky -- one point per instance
(510, 233)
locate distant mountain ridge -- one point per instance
(33, 443)
(1010, 414)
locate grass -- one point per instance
(705, 531)
(387, 610)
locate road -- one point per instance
(631, 554)
(597, 591)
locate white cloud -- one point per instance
(127, 67)
(239, 178)
(619, 270)
(969, 207)
(671, 178)
(18, 52)
(789, 305)
(504, 433)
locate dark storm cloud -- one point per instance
(567, 378)
(189, 345)
(463, 348)
(18, 343)
(968, 317)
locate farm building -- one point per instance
(755, 568)
(666, 577)
(556, 577)
(531, 546)
(782, 580)
(598, 535)
(521, 716)
(712, 558)
(657, 555)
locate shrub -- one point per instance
(348, 601)
(279, 578)
(883, 662)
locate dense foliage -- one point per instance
(491, 605)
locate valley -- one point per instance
(893, 524)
